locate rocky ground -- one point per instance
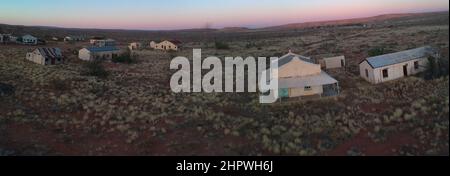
(57, 110)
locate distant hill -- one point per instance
(229, 33)
(367, 20)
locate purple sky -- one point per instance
(182, 14)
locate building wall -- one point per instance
(292, 69)
(85, 54)
(297, 92)
(152, 44)
(135, 46)
(166, 45)
(362, 71)
(107, 55)
(394, 71)
(36, 57)
(334, 62)
(29, 40)
(102, 43)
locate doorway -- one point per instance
(405, 70)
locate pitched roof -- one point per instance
(290, 56)
(176, 42)
(399, 57)
(102, 49)
(98, 38)
(28, 35)
(50, 52)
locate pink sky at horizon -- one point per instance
(266, 13)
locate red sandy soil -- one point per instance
(370, 148)
(374, 107)
(25, 137)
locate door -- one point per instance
(283, 92)
(53, 60)
(405, 70)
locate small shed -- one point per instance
(46, 56)
(135, 46)
(334, 62)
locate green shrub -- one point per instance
(95, 68)
(221, 45)
(126, 57)
(436, 68)
(123, 59)
(376, 51)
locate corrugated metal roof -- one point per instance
(399, 57)
(29, 36)
(50, 52)
(102, 49)
(288, 58)
(313, 80)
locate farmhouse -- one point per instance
(46, 56)
(167, 45)
(29, 39)
(333, 62)
(135, 46)
(299, 76)
(98, 53)
(102, 42)
(396, 65)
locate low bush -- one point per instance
(95, 68)
(126, 58)
(221, 45)
(376, 51)
(59, 84)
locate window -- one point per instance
(308, 88)
(367, 73)
(416, 65)
(385, 73)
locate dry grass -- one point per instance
(133, 110)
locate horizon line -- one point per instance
(218, 28)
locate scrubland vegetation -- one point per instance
(107, 108)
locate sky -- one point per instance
(186, 14)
